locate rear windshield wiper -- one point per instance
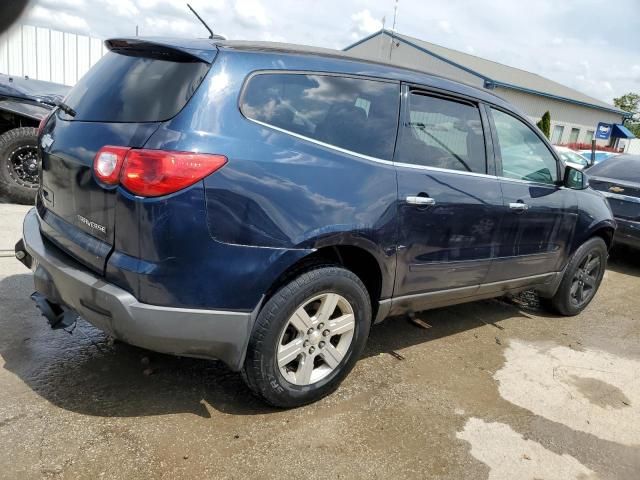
(65, 108)
(52, 103)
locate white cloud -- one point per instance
(550, 40)
(62, 21)
(125, 8)
(364, 24)
(251, 13)
(445, 26)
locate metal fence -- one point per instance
(633, 146)
(47, 54)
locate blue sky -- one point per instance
(584, 44)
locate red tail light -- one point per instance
(108, 164)
(153, 173)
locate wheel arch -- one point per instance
(606, 233)
(360, 260)
(12, 120)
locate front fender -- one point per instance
(594, 215)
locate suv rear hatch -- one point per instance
(121, 101)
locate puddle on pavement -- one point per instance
(589, 390)
(600, 393)
(510, 456)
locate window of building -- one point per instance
(556, 135)
(588, 136)
(354, 114)
(524, 155)
(442, 133)
(573, 136)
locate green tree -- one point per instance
(545, 124)
(630, 102)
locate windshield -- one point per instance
(573, 157)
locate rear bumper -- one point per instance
(201, 333)
(627, 233)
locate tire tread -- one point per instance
(253, 371)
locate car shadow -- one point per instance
(85, 372)
(623, 259)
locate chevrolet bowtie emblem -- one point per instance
(616, 189)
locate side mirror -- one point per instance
(574, 177)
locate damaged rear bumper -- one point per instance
(67, 285)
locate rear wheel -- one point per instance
(581, 278)
(19, 164)
(308, 337)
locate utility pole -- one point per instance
(136, 30)
(393, 27)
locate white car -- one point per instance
(572, 157)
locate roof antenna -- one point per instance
(212, 35)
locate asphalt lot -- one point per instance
(493, 389)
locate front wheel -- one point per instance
(582, 278)
(19, 164)
(308, 337)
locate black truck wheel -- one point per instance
(19, 165)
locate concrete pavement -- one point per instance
(10, 225)
(491, 390)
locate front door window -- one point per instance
(524, 155)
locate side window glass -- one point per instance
(442, 133)
(524, 155)
(355, 114)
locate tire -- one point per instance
(566, 299)
(19, 165)
(277, 334)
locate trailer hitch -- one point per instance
(57, 315)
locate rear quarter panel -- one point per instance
(279, 192)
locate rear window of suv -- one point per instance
(133, 87)
(359, 115)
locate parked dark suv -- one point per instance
(264, 204)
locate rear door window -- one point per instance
(442, 133)
(359, 115)
(135, 87)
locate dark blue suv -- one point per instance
(264, 204)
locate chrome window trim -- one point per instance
(396, 164)
(322, 144)
(618, 196)
(444, 170)
(529, 182)
(366, 157)
(255, 73)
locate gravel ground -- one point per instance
(494, 389)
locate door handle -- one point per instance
(420, 201)
(518, 206)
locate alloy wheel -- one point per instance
(23, 166)
(315, 339)
(584, 282)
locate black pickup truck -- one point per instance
(23, 103)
